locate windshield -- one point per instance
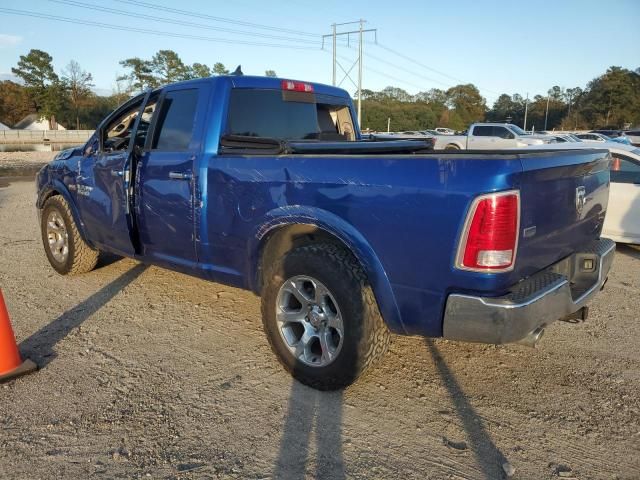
(517, 130)
(575, 137)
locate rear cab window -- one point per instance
(482, 131)
(274, 114)
(176, 120)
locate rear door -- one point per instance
(623, 216)
(165, 186)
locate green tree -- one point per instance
(270, 73)
(78, 83)
(141, 74)
(612, 99)
(36, 71)
(504, 107)
(467, 104)
(167, 67)
(200, 70)
(220, 69)
(15, 103)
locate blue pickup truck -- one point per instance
(266, 184)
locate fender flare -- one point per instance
(345, 233)
(61, 189)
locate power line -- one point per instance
(199, 15)
(416, 62)
(109, 26)
(382, 74)
(181, 22)
(430, 79)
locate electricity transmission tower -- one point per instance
(347, 72)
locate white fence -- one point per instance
(44, 136)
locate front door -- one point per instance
(165, 184)
(103, 188)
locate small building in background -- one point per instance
(33, 121)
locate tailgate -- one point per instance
(564, 197)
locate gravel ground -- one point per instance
(23, 163)
(154, 374)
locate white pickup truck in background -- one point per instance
(490, 136)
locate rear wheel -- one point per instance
(321, 317)
(67, 252)
(452, 146)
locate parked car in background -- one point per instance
(430, 132)
(622, 222)
(490, 136)
(593, 137)
(445, 131)
(563, 138)
(601, 137)
(633, 136)
(335, 234)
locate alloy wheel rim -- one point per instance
(57, 237)
(309, 321)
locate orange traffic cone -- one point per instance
(11, 364)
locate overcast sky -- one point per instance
(501, 46)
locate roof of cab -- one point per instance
(250, 81)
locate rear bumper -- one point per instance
(550, 295)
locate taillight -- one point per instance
(293, 86)
(490, 237)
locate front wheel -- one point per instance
(321, 317)
(67, 252)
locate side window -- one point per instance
(483, 131)
(176, 120)
(501, 132)
(624, 171)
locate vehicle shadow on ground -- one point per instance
(107, 259)
(632, 251)
(40, 346)
(321, 412)
(488, 456)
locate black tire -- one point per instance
(366, 337)
(451, 146)
(81, 258)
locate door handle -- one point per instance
(180, 176)
(117, 173)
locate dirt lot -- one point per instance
(153, 374)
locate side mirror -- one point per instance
(510, 136)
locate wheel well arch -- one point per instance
(58, 189)
(282, 238)
(46, 195)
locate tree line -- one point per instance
(67, 97)
(610, 100)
